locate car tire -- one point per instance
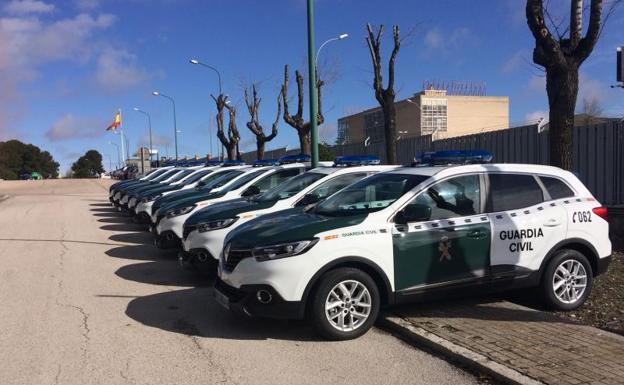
(567, 280)
(348, 319)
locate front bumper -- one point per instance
(197, 259)
(174, 224)
(209, 240)
(167, 240)
(257, 301)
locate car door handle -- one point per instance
(552, 222)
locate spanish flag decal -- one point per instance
(116, 123)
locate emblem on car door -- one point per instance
(444, 247)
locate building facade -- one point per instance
(430, 112)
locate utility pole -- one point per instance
(312, 86)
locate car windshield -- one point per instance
(368, 195)
(243, 180)
(181, 174)
(218, 179)
(165, 175)
(291, 187)
(195, 177)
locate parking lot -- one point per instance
(88, 300)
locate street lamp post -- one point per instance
(197, 62)
(175, 124)
(118, 156)
(339, 37)
(312, 85)
(149, 123)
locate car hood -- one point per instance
(287, 226)
(228, 209)
(189, 201)
(157, 190)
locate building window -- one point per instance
(343, 132)
(433, 115)
(374, 126)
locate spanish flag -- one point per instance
(116, 123)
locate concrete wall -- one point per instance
(474, 114)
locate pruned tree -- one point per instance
(591, 109)
(253, 106)
(229, 141)
(297, 121)
(385, 96)
(561, 56)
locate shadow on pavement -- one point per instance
(124, 227)
(193, 312)
(104, 210)
(492, 308)
(100, 204)
(135, 237)
(140, 253)
(163, 272)
(112, 219)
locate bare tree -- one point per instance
(230, 142)
(591, 109)
(561, 57)
(385, 96)
(254, 122)
(296, 121)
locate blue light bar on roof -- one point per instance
(364, 160)
(266, 162)
(229, 163)
(215, 162)
(295, 158)
(448, 157)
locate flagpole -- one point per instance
(123, 148)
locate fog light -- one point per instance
(264, 296)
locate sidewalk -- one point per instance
(512, 342)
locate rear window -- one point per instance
(513, 191)
(556, 188)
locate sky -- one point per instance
(67, 66)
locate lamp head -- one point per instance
(136, 109)
(155, 93)
(194, 61)
(343, 36)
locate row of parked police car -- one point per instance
(336, 243)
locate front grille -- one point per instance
(233, 293)
(234, 257)
(188, 229)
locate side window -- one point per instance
(276, 178)
(556, 188)
(336, 184)
(455, 197)
(513, 191)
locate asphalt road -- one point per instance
(86, 299)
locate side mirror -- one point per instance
(251, 191)
(308, 199)
(201, 183)
(413, 213)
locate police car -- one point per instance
(262, 177)
(145, 199)
(205, 230)
(115, 188)
(399, 235)
(124, 195)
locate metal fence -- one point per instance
(598, 154)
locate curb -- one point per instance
(419, 337)
(3, 197)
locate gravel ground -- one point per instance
(605, 307)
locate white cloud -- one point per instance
(87, 5)
(157, 140)
(439, 43)
(535, 116)
(515, 61)
(22, 7)
(117, 70)
(71, 127)
(537, 84)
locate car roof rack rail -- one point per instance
(230, 163)
(453, 157)
(295, 159)
(360, 160)
(266, 162)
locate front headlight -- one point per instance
(216, 224)
(282, 250)
(182, 211)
